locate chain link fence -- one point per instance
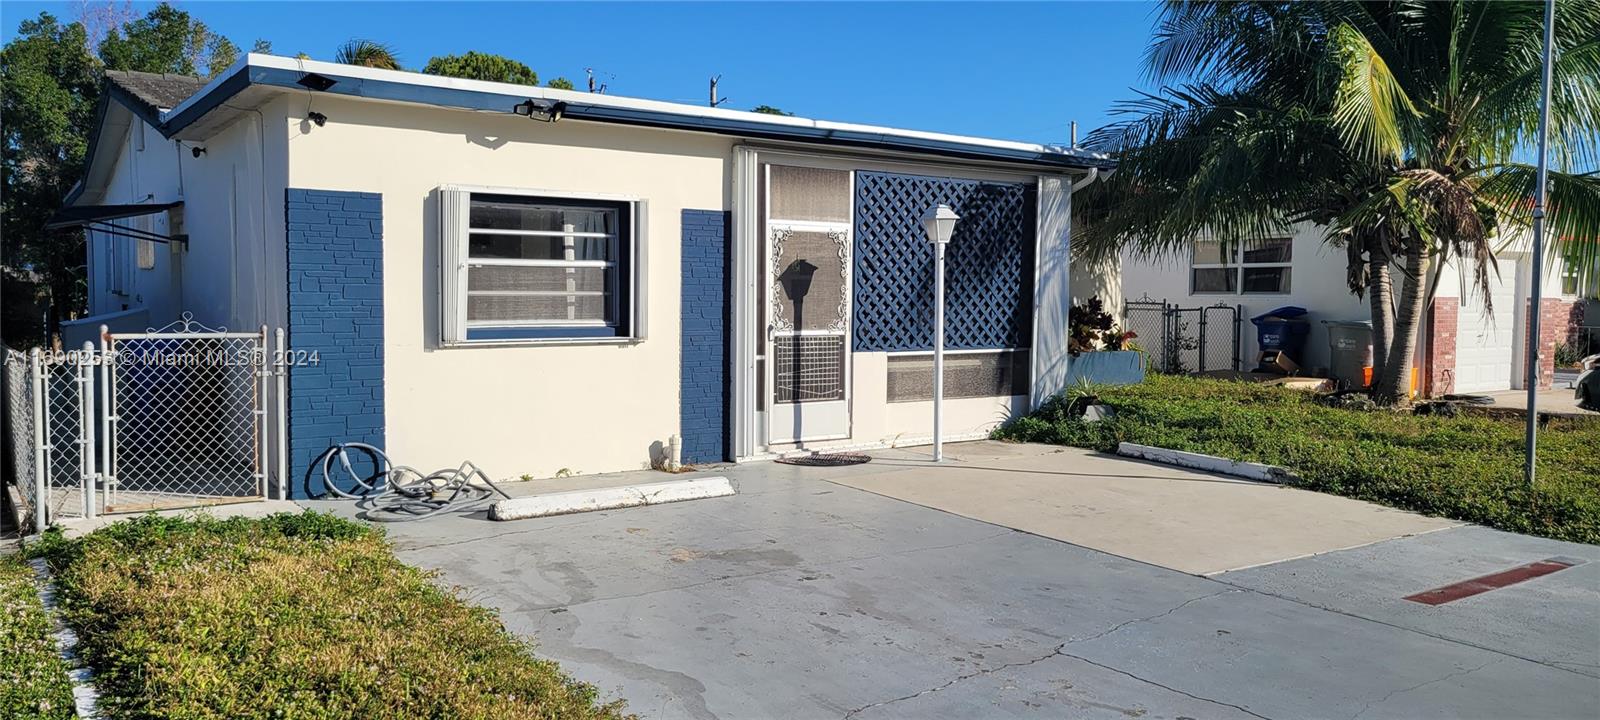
(184, 416)
(186, 423)
(20, 442)
(1179, 340)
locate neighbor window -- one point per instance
(1250, 267)
(537, 267)
(1569, 279)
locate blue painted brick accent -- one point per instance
(335, 262)
(703, 384)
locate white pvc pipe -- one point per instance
(938, 351)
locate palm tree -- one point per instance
(1395, 126)
(367, 53)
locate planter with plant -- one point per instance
(1102, 353)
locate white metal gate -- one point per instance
(174, 417)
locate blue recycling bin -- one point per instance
(1283, 330)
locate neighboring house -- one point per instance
(538, 279)
(1464, 346)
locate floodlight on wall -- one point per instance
(940, 224)
(541, 110)
(313, 81)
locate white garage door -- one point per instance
(1485, 347)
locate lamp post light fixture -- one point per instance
(940, 222)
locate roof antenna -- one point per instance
(714, 101)
(592, 88)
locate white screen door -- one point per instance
(807, 230)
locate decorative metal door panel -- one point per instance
(809, 292)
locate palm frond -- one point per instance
(1370, 107)
(1572, 215)
(367, 53)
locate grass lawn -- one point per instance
(1467, 468)
(290, 616)
(33, 677)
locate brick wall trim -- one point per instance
(703, 374)
(335, 304)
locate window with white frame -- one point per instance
(1253, 267)
(531, 267)
(1569, 279)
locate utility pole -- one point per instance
(715, 101)
(1532, 379)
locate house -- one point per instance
(1466, 345)
(542, 280)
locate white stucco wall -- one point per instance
(228, 274)
(1317, 283)
(513, 409)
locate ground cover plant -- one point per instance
(1467, 467)
(290, 616)
(33, 677)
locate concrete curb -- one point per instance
(577, 501)
(84, 695)
(1208, 463)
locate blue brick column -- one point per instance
(335, 296)
(703, 384)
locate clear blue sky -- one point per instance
(1007, 70)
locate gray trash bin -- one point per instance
(1349, 351)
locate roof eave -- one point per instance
(282, 73)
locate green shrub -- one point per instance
(1468, 467)
(291, 616)
(33, 677)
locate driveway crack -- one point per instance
(1060, 651)
(1418, 686)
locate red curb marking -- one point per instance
(1494, 581)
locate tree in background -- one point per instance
(167, 40)
(367, 53)
(770, 110)
(474, 65)
(50, 85)
(561, 83)
(1396, 126)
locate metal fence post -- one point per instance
(1238, 338)
(281, 369)
(86, 427)
(41, 496)
(108, 471)
(259, 360)
(1200, 358)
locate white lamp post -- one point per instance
(940, 222)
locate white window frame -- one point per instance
(1236, 264)
(455, 211)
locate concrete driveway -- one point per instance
(805, 597)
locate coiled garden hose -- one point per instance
(397, 493)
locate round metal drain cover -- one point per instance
(827, 459)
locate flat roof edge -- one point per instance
(481, 96)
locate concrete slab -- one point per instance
(1190, 521)
(77, 527)
(1553, 619)
(803, 598)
